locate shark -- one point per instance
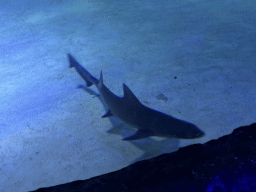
(130, 110)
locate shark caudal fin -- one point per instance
(72, 61)
(90, 80)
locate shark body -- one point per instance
(129, 109)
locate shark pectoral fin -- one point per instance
(108, 114)
(140, 134)
(97, 95)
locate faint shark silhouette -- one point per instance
(129, 109)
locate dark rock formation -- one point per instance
(225, 164)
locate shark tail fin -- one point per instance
(72, 61)
(90, 80)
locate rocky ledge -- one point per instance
(225, 164)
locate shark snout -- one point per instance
(192, 132)
(197, 134)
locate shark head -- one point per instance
(182, 130)
(164, 125)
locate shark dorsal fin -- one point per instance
(129, 95)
